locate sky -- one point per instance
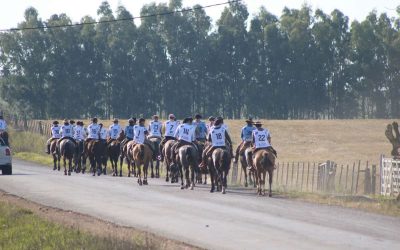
(12, 11)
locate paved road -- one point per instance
(237, 220)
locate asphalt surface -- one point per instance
(236, 220)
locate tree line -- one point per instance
(304, 64)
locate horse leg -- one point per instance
(121, 162)
(139, 175)
(65, 165)
(69, 166)
(59, 162)
(191, 177)
(151, 165)
(223, 182)
(270, 175)
(263, 181)
(55, 162)
(157, 168)
(212, 182)
(181, 172)
(167, 167)
(145, 172)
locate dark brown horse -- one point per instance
(96, 151)
(219, 166)
(264, 161)
(114, 151)
(155, 141)
(166, 151)
(67, 152)
(142, 155)
(249, 176)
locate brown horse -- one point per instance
(188, 161)
(126, 149)
(249, 175)
(67, 152)
(142, 155)
(166, 151)
(55, 153)
(219, 166)
(264, 160)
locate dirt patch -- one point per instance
(93, 225)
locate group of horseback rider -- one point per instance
(190, 132)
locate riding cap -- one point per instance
(218, 122)
(71, 121)
(198, 116)
(66, 121)
(155, 116)
(142, 120)
(187, 120)
(101, 124)
(1, 117)
(94, 119)
(219, 118)
(171, 116)
(131, 121)
(55, 122)
(258, 123)
(249, 120)
(115, 120)
(211, 118)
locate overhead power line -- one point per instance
(121, 19)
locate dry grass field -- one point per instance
(342, 141)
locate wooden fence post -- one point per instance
(277, 174)
(312, 179)
(283, 168)
(308, 173)
(302, 178)
(358, 174)
(347, 174)
(367, 182)
(297, 175)
(352, 178)
(291, 180)
(287, 174)
(373, 179)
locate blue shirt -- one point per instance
(129, 132)
(201, 130)
(247, 132)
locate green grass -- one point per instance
(374, 203)
(21, 229)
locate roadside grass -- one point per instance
(22, 229)
(374, 203)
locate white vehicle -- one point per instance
(5, 159)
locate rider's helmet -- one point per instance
(131, 121)
(66, 122)
(94, 119)
(115, 120)
(171, 116)
(55, 122)
(218, 121)
(155, 117)
(211, 118)
(72, 122)
(258, 124)
(198, 116)
(142, 120)
(249, 120)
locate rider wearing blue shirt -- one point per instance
(201, 129)
(246, 135)
(129, 129)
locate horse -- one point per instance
(155, 141)
(188, 161)
(55, 153)
(4, 136)
(264, 160)
(67, 152)
(78, 157)
(142, 155)
(248, 174)
(166, 151)
(96, 151)
(126, 149)
(219, 166)
(201, 172)
(114, 151)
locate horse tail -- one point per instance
(224, 161)
(142, 149)
(265, 161)
(189, 154)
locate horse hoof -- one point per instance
(54, 169)
(246, 185)
(129, 175)
(152, 175)
(223, 192)
(167, 179)
(269, 195)
(69, 173)
(182, 187)
(65, 173)
(212, 191)
(191, 188)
